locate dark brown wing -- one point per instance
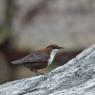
(37, 57)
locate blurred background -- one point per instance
(28, 25)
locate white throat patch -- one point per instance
(52, 55)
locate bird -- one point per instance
(39, 59)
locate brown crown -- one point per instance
(54, 46)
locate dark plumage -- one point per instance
(38, 59)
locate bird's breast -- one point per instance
(52, 55)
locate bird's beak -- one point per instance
(61, 47)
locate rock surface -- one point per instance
(77, 77)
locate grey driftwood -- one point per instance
(77, 77)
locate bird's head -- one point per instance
(54, 47)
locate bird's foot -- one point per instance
(37, 72)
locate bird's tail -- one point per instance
(17, 62)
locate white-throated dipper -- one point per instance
(39, 59)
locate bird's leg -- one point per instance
(36, 72)
(39, 72)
